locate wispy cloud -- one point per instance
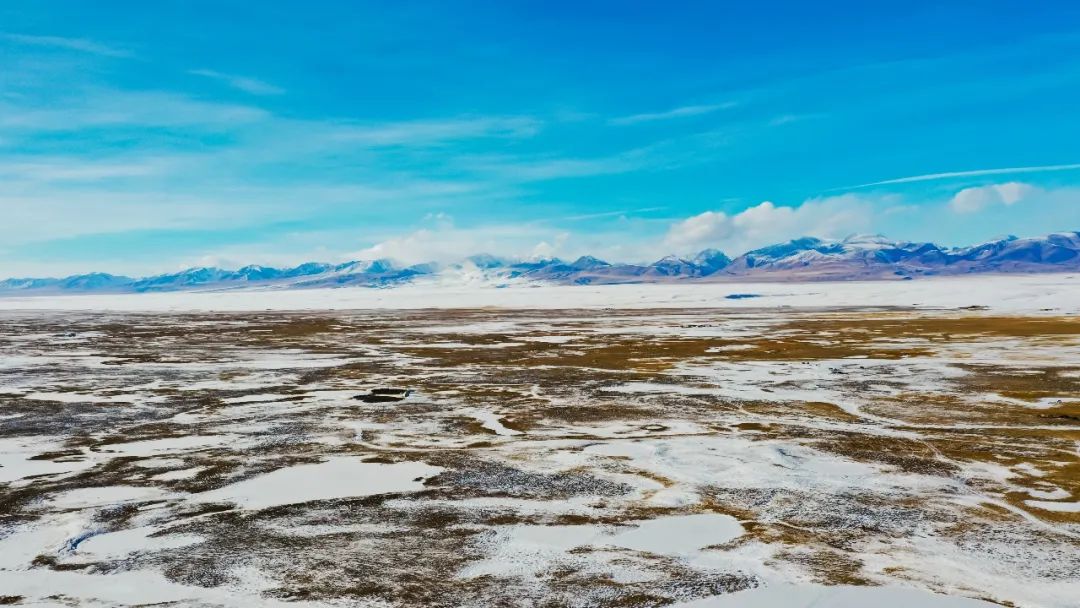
(254, 86)
(426, 132)
(558, 168)
(81, 45)
(111, 107)
(52, 215)
(680, 112)
(52, 210)
(785, 119)
(618, 213)
(517, 169)
(78, 170)
(974, 173)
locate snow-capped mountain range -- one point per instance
(807, 258)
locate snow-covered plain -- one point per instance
(1006, 293)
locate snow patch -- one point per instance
(338, 477)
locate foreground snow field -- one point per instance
(655, 453)
(1018, 293)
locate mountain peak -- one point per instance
(381, 265)
(711, 260)
(669, 259)
(867, 239)
(486, 261)
(588, 262)
(673, 265)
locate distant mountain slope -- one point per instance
(877, 257)
(807, 258)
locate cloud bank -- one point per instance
(971, 200)
(768, 223)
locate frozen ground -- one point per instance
(1004, 293)
(627, 457)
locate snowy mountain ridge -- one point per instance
(805, 258)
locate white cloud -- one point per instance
(30, 219)
(110, 107)
(70, 44)
(49, 210)
(62, 169)
(680, 112)
(545, 250)
(513, 169)
(440, 219)
(975, 173)
(603, 214)
(768, 223)
(253, 86)
(970, 200)
(785, 119)
(443, 242)
(418, 132)
(710, 226)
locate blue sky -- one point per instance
(140, 137)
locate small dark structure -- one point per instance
(384, 395)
